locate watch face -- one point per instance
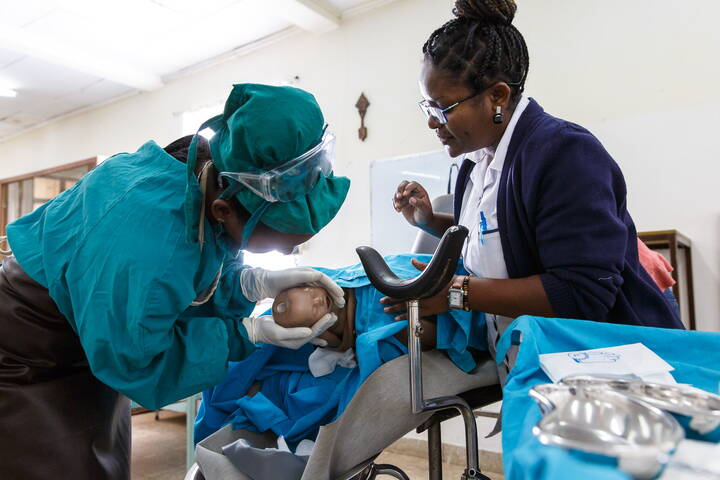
(455, 298)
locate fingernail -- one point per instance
(386, 309)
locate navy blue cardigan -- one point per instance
(562, 214)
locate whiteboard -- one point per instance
(390, 233)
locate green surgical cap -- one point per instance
(263, 127)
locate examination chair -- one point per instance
(390, 403)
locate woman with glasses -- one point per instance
(544, 202)
(130, 284)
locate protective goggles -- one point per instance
(292, 179)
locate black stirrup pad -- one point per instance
(430, 282)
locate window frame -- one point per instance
(91, 162)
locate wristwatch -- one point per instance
(458, 294)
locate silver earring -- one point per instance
(498, 117)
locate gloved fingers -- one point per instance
(319, 342)
(293, 333)
(327, 321)
(292, 338)
(252, 282)
(335, 291)
(249, 324)
(299, 275)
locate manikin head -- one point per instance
(302, 307)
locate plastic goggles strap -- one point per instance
(211, 123)
(252, 222)
(231, 190)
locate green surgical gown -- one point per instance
(113, 254)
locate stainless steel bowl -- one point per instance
(603, 421)
(703, 407)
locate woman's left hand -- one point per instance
(428, 307)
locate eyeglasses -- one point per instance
(440, 114)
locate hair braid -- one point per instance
(481, 45)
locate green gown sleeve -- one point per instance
(133, 279)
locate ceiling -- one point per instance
(60, 56)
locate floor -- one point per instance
(158, 451)
(158, 447)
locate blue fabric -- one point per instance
(562, 214)
(113, 255)
(295, 404)
(695, 356)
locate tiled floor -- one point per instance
(159, 452)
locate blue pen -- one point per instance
(483, 228)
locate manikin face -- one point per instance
(301, 306)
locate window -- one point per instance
(21, 195)
(191, 121)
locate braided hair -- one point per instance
(179, 148)
(481, 45)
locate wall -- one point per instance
(642, 75)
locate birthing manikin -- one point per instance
(319, 391)
(303, 306)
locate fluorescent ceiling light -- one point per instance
(7, 92)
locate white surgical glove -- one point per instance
(265, 330)
(258, 283)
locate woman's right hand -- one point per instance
(412, 200)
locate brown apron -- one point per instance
(56, 419)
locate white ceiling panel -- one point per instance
(64, 55)
(8, 56)
(38, 79)
(21, 120)
(93, 94)
(20, 13)
(6, 130)
(345, 4)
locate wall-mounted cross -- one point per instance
(362, 106)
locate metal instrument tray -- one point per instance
(702, 406)
(606, 422)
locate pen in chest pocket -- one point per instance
(483, 228)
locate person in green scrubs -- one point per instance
(131, 284)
